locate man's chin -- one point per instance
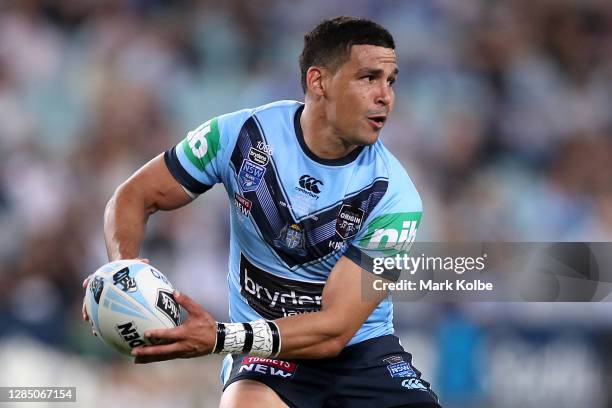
(365, 139)
(370, 139)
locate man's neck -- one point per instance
(320, 137)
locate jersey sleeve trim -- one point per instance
(181, 175)
(366, 263)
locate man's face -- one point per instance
(359, 95)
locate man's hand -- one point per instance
(194, 338)
(84, 309)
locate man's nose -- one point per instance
(385, 95)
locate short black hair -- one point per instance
(329, 43)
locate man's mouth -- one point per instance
(377, 121)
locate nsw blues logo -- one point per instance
(250, 175)
(399, 368)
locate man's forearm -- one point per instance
(309, 336)
(323, 334)
(150, 189)
(313, 335)
(124, 223)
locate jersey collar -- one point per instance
(349, 158)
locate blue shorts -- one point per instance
(374, 373)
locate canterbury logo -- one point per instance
(310, 184)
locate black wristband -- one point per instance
(275, 338)
(220, 338)
(248, 338)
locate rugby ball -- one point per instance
(127, 297)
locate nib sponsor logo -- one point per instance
(202, 144)
(392, 233)
(197, 140)
(393, 238)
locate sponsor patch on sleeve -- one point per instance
(202, 144)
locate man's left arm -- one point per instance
(345, 307)
(320, 334)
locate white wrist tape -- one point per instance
(259, 338)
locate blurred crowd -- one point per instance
(503, 119)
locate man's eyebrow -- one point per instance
(376, 71)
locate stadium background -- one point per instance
(503, 119)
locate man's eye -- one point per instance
(369, 78)
(391, 82)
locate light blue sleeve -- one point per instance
(391, 227)
(201, 159)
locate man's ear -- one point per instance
(314, 81)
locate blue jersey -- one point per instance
(293, 214)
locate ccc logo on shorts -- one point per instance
(310, 183)
(414, 384)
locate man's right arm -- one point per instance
(148, 190)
